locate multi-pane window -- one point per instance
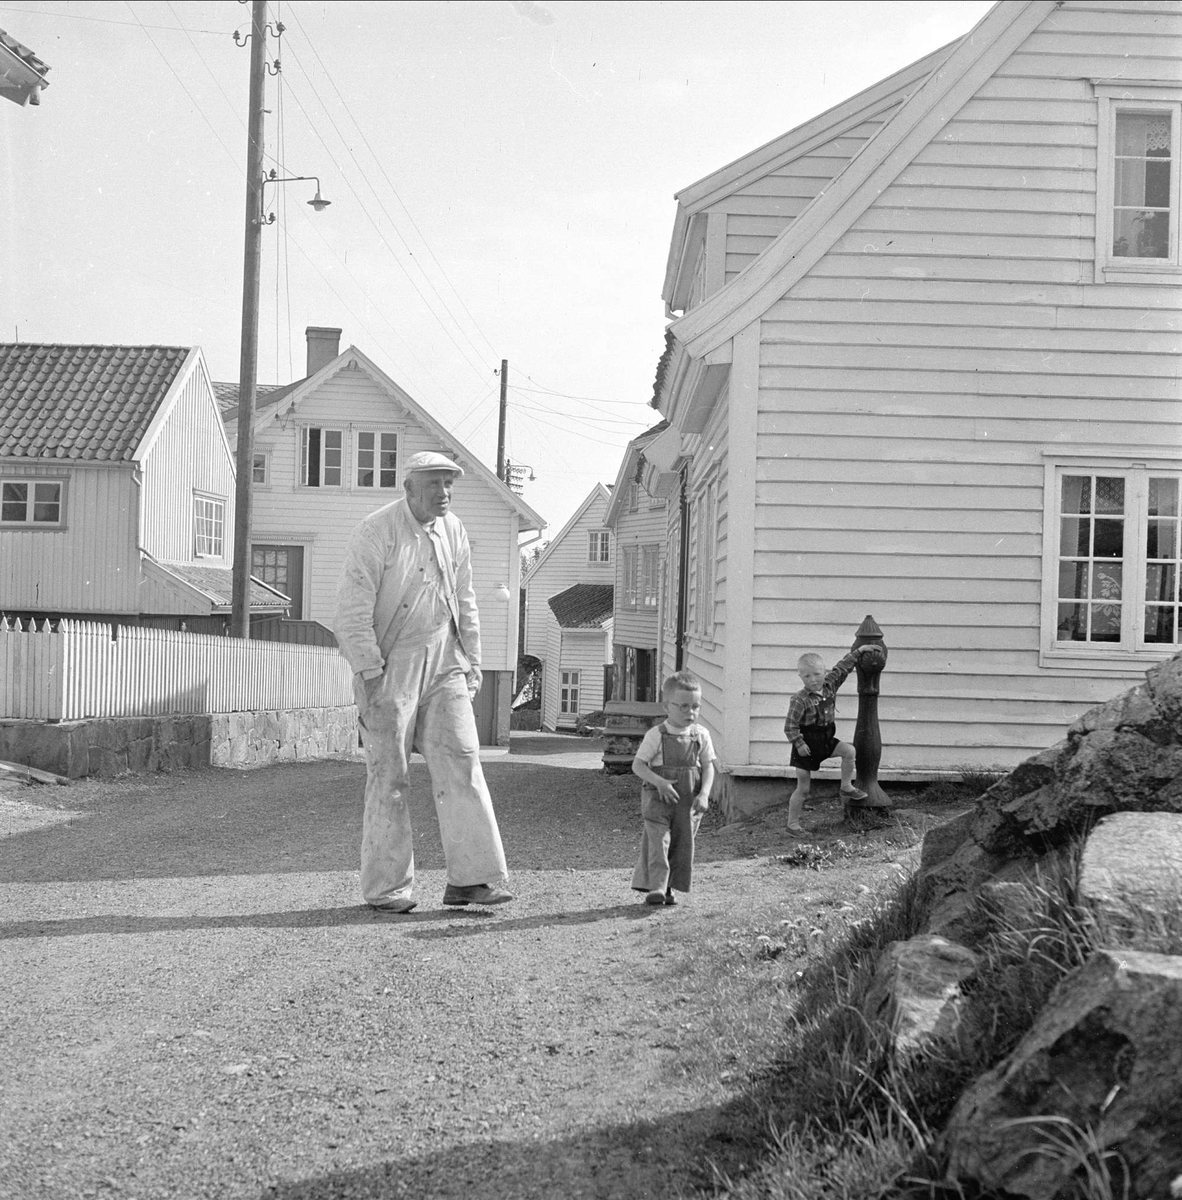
(1119, 548)
(705, 552)
(599, 546)
(209, 522)
(258, 469)
(629, 569)
(377, 459)
(1138, 194)
(633, 496)
(31, 502)
(321, 457)
(650, 576)
(1163, 562)
(568, 693)
(1143, 186)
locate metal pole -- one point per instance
(867, 737)
(501, 426)
(251, 262)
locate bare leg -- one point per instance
(796, 802)
(846, 753)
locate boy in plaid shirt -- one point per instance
(812, 730)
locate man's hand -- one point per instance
(475, 679)
(373, 688)
(701, 803)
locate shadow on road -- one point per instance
(649, 1160)
(306, 817)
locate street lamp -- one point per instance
(317, 203)
(251, 264)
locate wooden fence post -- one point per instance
(867, 738)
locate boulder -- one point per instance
(1130, 872)
(917, 991)
(1103, 1064)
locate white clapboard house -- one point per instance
(574, 641)
(637, 520)
(926, 368)
(116, 489)
(328, 450)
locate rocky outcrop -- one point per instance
(1101, 1069)
(1100, 1072)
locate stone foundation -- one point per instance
(103, 747)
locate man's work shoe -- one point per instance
(655, 898)
(395, 906)
(476, 893)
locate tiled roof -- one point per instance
(226, 395)
(81, 402)
(584, 606)
(218, 584)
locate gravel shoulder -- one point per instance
(197, 1004)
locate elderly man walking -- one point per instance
(407, 624)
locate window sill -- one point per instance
(1116, 660)
(1134, 272)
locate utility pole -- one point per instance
(501, 425)
(248, 364)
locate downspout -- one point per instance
(682, 567)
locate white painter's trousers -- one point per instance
(423, 704)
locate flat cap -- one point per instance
(430, 460)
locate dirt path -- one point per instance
(198, 1005)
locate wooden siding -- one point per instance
(909, 386)
(91, 565)
(638, 626)
(761, 210)
(566, 564)
(586, 651)
(187, 456)
(321, 519)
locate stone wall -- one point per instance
(104, 747)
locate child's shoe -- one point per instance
(796, 831)
(655, 898)
(852, 793)
(670, 898)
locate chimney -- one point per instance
(323, 346)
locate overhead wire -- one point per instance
(390, 184)
(74, 16)
(479, 369)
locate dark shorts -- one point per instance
(822, 741)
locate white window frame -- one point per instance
(1123, 96)
(209, 525)
(33, 482)
(379, 435)
(704, 537)
(568, 693)
(1136, 469)
(260, 469)
(629, 565)
(649, 588)
(599, 546)
(305, 453)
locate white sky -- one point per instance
(502, 178)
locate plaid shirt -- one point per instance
(813, 708)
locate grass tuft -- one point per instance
(846, 1118)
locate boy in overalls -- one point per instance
(675, 763)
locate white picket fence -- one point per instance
(77, 669)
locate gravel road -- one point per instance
(198, 1005)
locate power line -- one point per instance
(393, 189)
(73, 16)
(479, 369)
